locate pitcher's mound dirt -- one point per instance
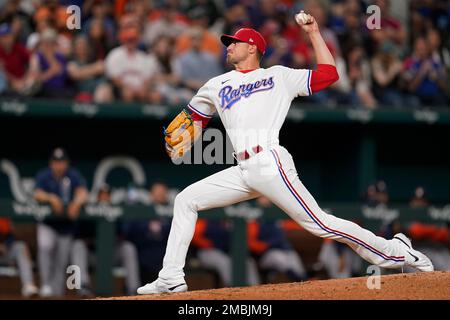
(432, 285)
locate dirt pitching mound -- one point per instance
(432, 285)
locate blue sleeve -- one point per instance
(77, 179)
(40, 181)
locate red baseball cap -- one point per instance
(247, 35)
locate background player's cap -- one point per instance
(247, 35)
(59, 154)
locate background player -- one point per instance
(250, 100)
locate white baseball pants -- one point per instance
(270, 173)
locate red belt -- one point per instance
(244, 155)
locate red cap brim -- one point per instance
(227, 39)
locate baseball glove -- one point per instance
(181, 134)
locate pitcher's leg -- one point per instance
(218, 190)
(287, 192)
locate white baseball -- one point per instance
(301, 18)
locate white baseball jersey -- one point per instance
(252, 104)
(259, 101)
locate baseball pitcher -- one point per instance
(252, 103)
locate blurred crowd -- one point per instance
(163, 51)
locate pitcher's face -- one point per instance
(237, 51)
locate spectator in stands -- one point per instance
(48, 68)
(319, 10)
(121, 7)
(64, 189)
(130, 69)
(360, 77)
(269, 245)
(15, 252)
(53, 11)
(14, 59)
(209, 8)
(203, 41)
(382, 192)
(391, 29)
(353, 21)
(439, 52)
(16, 14)
(99, 13)
(32, 42)
(150, 235)
(159, 194)
(425, 15)
(386, 70)
(212, 242)
(234, 17)
(340, 92)
(165, 80)
(278, 50)
(125, 253)
(425, 77)
(57, 16)
(370, 197)
(260, 11)
(166, 20)
(3, 81)
(63, 44)
(196, 66)
(300, 50)
(376, 194)
(141, 9)
(99, 41)
(88, 74)
(337, 13)
(419, 200)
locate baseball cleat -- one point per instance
(159, 286)
(414, 258)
